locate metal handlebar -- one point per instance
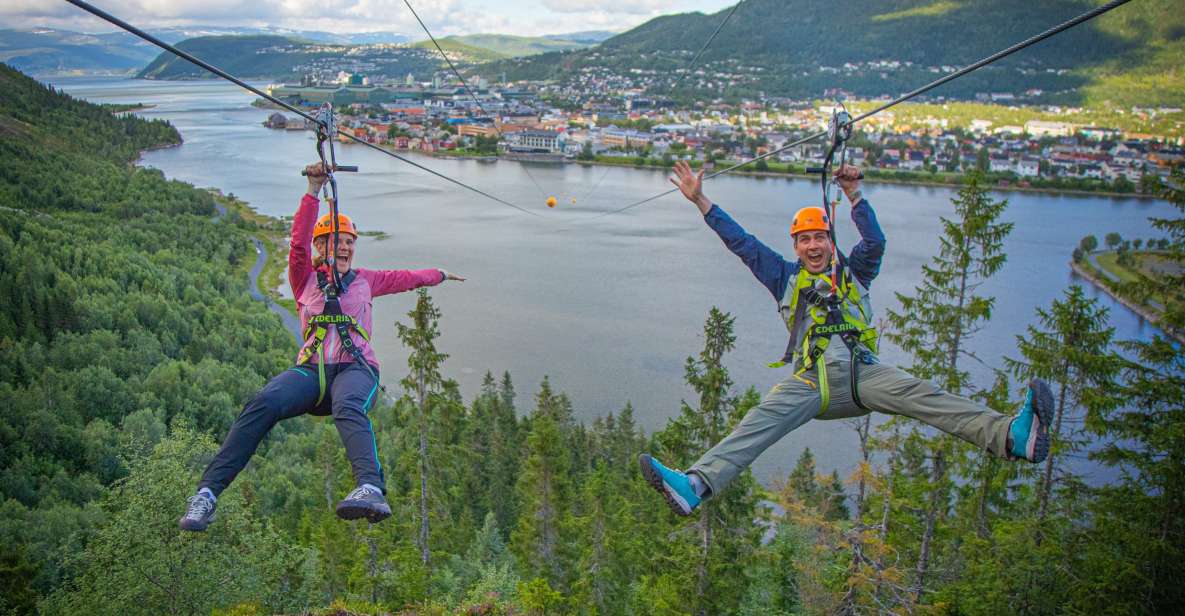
(349, 168)
(821, 170)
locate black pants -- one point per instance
(350, 391)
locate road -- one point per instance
(289, 319)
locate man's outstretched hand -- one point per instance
(691, 184)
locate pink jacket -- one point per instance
(356, 302)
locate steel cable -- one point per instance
(701, 51)
(464, 83)
(101, 14)
(905, 97)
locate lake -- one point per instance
(610, 307)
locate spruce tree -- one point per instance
(1071, 350)
(725, 532)
(935, 323)
(1135, 556)
(545, 492)
(421, 384)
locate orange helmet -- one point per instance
(324, 226)
(810, 219)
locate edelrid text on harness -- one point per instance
(319, 325)
(813, 314)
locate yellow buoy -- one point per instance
(551, 202)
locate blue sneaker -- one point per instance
(1029, 432)
(672, 484)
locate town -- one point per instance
(548, 123)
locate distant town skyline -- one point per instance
(444, 17)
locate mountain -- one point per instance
(505, 45)
(180, 33)
(590, 37)
(49, 51)
(802, 48)
(459, 49)
(288, 58)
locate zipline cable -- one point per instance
(101, 14)
(686, 71)
(467, 88)
(701, 51)
(1087, 16)
(709, 176)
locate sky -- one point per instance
(444, 17)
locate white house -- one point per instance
(1027, 167)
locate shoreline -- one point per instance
(803, 176)
(1143, 311)
(899, 181)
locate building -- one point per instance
(980, 126)
(1097, 133)
(914, 160)
(534, 141)
(999, 163)
(1027, 167)
(1042, 128)
(344, 94)
(477, 130)
(276, 120)
(620, 138)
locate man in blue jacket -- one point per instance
(832, 345)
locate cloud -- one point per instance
(615, 7)
(345, 15)
(444, 17)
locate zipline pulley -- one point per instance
(839, 131)
(326, 132)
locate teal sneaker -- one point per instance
(1029, 432)
(672, 484)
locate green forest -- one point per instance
(129, 344)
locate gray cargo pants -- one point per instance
(886, 389)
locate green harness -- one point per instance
(319, 325)
(814, 314)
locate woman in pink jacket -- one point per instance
(336, 371)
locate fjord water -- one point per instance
(609, 307)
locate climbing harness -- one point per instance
(817, 307)
(332, 316)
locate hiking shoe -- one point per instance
(672, 484)
(1029, 432)
(199, 514)
(364, 502)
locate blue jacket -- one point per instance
(864, 261)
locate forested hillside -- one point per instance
(801, 47)
(128, 344)
(123, 310)
(287, 58)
